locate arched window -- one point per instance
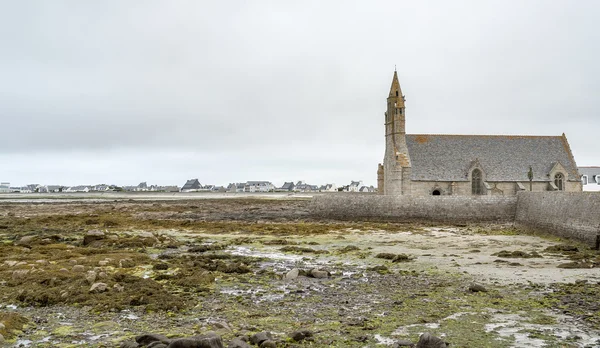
(477, 182)
(559, 181)
(436, 192)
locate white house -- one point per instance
(259, 186)
(355, 186)
(590, 178)
(80, 188)
(328, 188)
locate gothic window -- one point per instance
(396, 93)
(436, 193)
(477, 182)
(400, 111)
(559, 181)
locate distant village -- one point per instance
(192, 185)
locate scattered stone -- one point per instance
(517, 254)
(98, 287)
(129, 344)
(1, 339)
(293, 274)
(42, 262)
(238, 343)
(268, 344)
(101, 275)
(2, 327)
(300, 335)
(206, 341)
(427, 340)
(19, 274)
(146, 339)
(92, 236)
(73, 262)
(562, 248)
(118, 287)
(78, 268)
(403, 343)
(90, 277)
(26, 240)
(477, 288)
(402, 258)
(317, 273)
(10, 263)
(103, 263)
(386, 256)
(156, 345)
(260, 337)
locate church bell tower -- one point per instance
(393, 177)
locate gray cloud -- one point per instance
(277, 90)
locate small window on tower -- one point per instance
(400, 111)
(396, 93)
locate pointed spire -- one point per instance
(395, 90)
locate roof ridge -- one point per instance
(489, 135)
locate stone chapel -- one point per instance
(439, 164)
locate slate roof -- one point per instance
(593, 174)
(437, 157)
(192, 184)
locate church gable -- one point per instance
(500, 158)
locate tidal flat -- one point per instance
(99, 273)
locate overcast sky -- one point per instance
(120, 91)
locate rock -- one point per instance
(2, 327)
(238, 343)
(101, 275)
(42, 262)
(118, 287)
(300, 335)
(427, 340)
(477, 288)
(19, 274)
(129, 344)
(98, 287)
(73, 262)
(260, 337)
(63, 270)
(146, 339)
(26, 240)
(90, 277)
(212, 341)
(317, 273)
(1, 339)
(102, 263)
(293, 274)
(156, 345)
(403, 343)
(10, 263)
(92, 236)
(268, 344)
(78, 268)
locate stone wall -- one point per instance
(573, 215)
(407, 208)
